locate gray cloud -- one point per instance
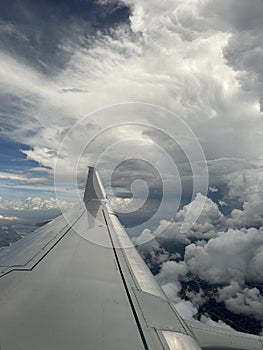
(37, 32)
(244, 51)
(229, 260)
(247, 301)
(73, 90)
(230, 256)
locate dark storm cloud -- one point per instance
(35, 31)
(244, 49)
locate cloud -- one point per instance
(213, 189)
(162, 58)
(186, 309)
(242, 300)
(150, 249)
(228, 291)
(244, 51)
(207, 225)
(192, 20)
(207, 320)
(251, 215)
(21, 178)
(72, 90)
(35, 203)
(247, 302)
(224, 266)
(172, 270)
(228, 257)
(222, 203)
(120, 204)
(36, 32)
(8, 217)
(209, 221)
(43, 155)
(246, 187)
(172, 231)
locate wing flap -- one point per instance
(158, 313)
(219, 338)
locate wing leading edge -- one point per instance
(78, 283)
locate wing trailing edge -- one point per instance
(217, 338)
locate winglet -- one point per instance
(94, 188)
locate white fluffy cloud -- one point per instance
(233, 255)
(209, 222)
(185, 308)
(230, 260)
(8, 217)
(207, 320)
(172, 270)
(35, 203)
(151, 250)
(242, 300)
(21, 178)
(247, 187)
(247, 302)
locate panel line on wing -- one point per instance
(22, 268)
(126, 288)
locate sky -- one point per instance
(165, 98)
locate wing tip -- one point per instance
(94, 189)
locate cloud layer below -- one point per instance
(216, 253)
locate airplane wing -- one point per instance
(78, 283)
(214, 337)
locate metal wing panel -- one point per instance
(25, 253)
(73, 299)
(218, 338)
(156, 309)
(143, 278)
